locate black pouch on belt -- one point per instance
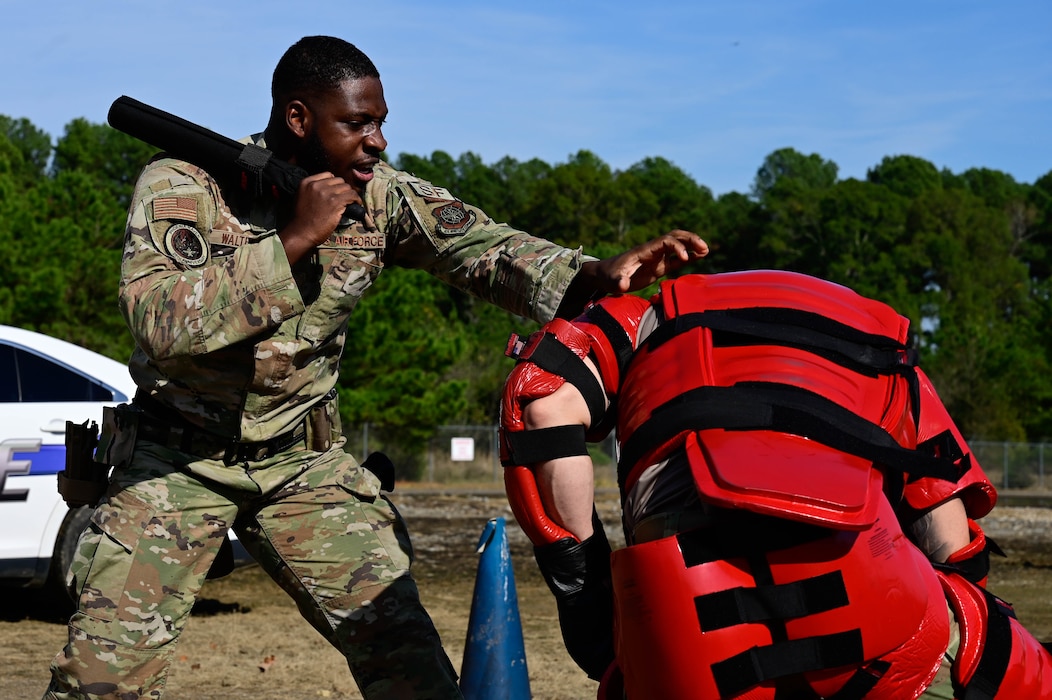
(323, 423)
(84, 480)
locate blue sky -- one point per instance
(713, 87)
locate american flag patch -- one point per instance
(178, 208)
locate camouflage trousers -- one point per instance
(315, 522)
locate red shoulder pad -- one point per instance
(974, 487)
(612, 324)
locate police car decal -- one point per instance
(25, 457)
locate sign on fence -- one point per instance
(462, 449)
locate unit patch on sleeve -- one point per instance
(186, 245)
(429, 191)
(453, 219)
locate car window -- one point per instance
(27, 377)
(8, 375)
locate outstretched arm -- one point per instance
(634, 269)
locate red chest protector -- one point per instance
(788, 407)
(782, 411)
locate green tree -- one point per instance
(739, 225)
(790, 187)
(395, 372)
(789, 169)
(658, 197)
(908, 176)
(858, 241)
(439, 169)
(33, 145)
(575, 204)
(1037, 251)
(519, 181)
(976, 311)
(112, 157)
(62, 232)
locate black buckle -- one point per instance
(254, 451)
(232, 453)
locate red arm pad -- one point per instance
(528, 382)
(526, 504)
(607, 333)
(974, 488)
(973, 559)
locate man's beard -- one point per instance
(313, 157)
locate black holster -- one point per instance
(83, 481)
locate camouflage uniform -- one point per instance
(233, 340)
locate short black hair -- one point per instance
(318, 64)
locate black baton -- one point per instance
(205, 148)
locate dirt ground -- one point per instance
(246, 639)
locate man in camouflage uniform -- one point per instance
(239, 306)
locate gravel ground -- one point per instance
(250, 620)
(1006, 521)
(1018, 522)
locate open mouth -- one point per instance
(363, 172)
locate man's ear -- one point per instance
(298, 118)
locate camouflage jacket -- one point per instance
(240, 343)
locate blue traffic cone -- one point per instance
(494, 654)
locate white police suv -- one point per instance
(45, 382)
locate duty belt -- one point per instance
(176, 433)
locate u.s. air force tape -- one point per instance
(357, 241)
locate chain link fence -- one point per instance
(470, 454)
(463, 454)
(1015, 466)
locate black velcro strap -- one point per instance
(862, 681)
(759, 664)
(997, 650)
(945, 446)
(615, 334)
(254, 158)
(542, 444)
(552, 356)
(784, 601)
(837, 342)
(782, 408)
(743, 535)
(976, 567)
(867, 353)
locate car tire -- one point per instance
(69, 532)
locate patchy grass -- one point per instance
(246, 639)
